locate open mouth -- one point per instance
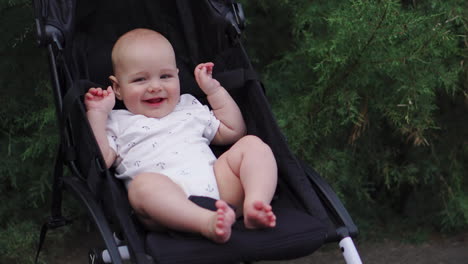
(154, 100)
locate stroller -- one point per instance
(79, 36)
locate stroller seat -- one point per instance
(79, 36)
(296, 235)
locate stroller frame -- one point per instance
(52, 34)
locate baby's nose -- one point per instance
(154, 86)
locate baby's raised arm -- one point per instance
(232, 125)
(99, 103)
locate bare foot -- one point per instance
(219, 229)
(259, 215)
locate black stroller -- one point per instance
(79, 36)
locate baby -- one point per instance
(160, 144)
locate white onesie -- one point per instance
(176, 145)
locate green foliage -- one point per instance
(373, 95)
(28, 137)
(13, 238)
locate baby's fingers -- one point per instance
(208, 65)
(109, 90)
(95, 91)
(209, 68)
(91, 91)
(99, 92)
(89, 96)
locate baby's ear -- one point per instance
(115, 86)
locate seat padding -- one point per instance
(297, 234)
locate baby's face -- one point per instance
(147, 77)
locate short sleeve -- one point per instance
(212, 124)
(112, 131)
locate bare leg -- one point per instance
(247, 176)
(159, 202)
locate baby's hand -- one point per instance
(204, 78)
(97, 99)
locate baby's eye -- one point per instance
(166, 76)
(140, 79)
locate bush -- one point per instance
(28, 136)
(373, 95)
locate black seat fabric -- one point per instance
(297, 234)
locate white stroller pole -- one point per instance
(123, 250)
(348, 249)
(124, 254)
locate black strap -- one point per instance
(42, 236)
(52, 223)
(235, 80)
(56, 220)
(75, 92)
